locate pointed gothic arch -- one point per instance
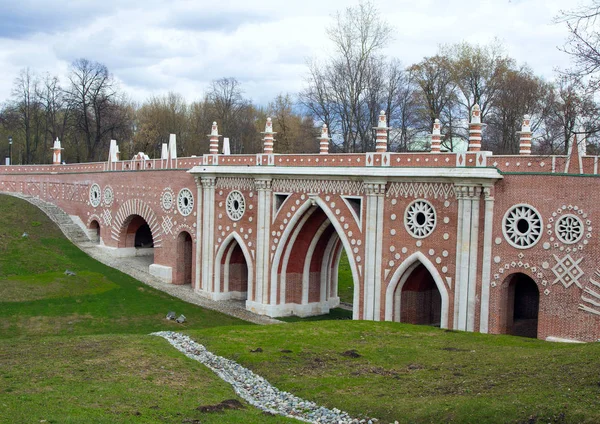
(288, 239)
(402, 274)
(226, 249)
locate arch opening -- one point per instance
(418, 300)
(522, 306)
(94, 231)
(417, 294)
(184, 265)
(234, 272)
(137, 237)
(306, 268)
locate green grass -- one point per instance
(420, 374)
(76, 349)
(345, 282)
(37, 298)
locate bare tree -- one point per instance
(229, 108)
(520, 92)
(438, 97)
(52, 101)
(478, 73)
(24, 112)
(583, 43)
(342, 91)
(93, 99)
(571, 106)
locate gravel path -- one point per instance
(256, 390)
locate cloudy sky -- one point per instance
(156, 46)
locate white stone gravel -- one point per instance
(256, 390)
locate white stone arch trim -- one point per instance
(308, 259)
(288, 244)
(219, 256)
(401, 275)
(93, 217)
(327, 271)
(312, 201)
(141, 208)
(181, 228)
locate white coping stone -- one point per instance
(561, 340)
(253, 388)
(161, 271)
(330, 171)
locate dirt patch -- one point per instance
(351, 354)
(454, 349)
(219, 407)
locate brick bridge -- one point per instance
(469, 241)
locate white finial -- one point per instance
(382, 120)
(526, 124)
(269, 126)
(476, 114)
(436, 127)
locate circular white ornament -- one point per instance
(522, 226)
(109, 195)
(167, 200)
(236, 205)
(185, 201)
(569, 228)
(419, 218)
(95, 195)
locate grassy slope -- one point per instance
(38, 299)
(345, 283)
(75, 349)
(421, 374)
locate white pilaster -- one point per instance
(458, 260)
(263, 240)
(474, 195)
(465, 251)
(199, 232)
(208, 232)
(487, 260)
(374, 191)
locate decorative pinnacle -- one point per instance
(269, 127)
(526, 124)
(476, 114)
(324, 133)
(436, 127)
(214, 131)
(382, 120)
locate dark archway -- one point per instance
(233, 279)
(184, 265)
(421, 302)
(94, 232)
(143, 237)
(522, 309)
(137, 233)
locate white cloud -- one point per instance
(181, 46)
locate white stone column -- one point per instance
(374, 191)
(208, 234)
(263, 241)
(465, 287)
(459, 242)
(487, 260)
(199, 232)
(474, 198)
